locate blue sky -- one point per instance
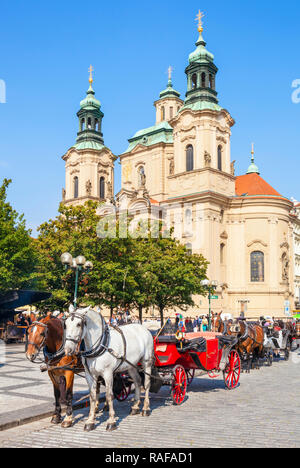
(47, 47)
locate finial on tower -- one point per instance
(200, 22)
(91, 75)
(253, 167)
(170, 71)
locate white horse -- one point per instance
(108, 350)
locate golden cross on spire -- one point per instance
(200, 23)
(91, 74)
(170, 70)
(252, 152)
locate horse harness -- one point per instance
(101, 346)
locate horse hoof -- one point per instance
(66, 424)
(146, 413)
(134, 412)
(56, 420)
(89, 427)
(111, 427)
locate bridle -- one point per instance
(44, 334)
(82, 319)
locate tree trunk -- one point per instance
(111, 307)
(141, 313)
(161, 310)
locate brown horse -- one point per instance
(218, 325)
(48, 335)
(251, 341)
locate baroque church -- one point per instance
(182, 166)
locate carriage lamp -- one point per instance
(211, 286)
(78, 265)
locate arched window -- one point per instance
(171, 112)
(76, 185)
(194, 81)
(102, 188)
(96, 125)
(220, 158)
(211, 81)
(89, 124)
(82, 127)
(163, 113)
(257, 267)
(189, 158)
(203, 80)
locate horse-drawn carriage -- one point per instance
(178, 357)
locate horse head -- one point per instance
(36, 336)
(75, 329)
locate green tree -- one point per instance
(18, 258)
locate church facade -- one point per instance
(181, 167)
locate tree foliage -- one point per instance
(18, 258)
(138, 272)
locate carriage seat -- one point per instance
(206, 335)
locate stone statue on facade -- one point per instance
(88, 187)
(109, 190)
(232, 168)
(172, 167)
(63, 194)
(285, 268)
(207, 159)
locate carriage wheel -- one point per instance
(232, 371)
(179, 385)
(190, 374)
(125, 392)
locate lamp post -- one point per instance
(78, 265)
(211, 286)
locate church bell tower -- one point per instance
(89, 163)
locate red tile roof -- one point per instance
(252, 184)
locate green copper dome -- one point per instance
(253, 169)
(201, 55)
(90, 102)
(169, 91)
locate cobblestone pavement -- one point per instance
(263, 412)
(24, 390)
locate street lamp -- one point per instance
(77, 264)
(211, 286)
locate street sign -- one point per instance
(214, 297)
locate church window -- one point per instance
(76, 186)
(96, 125)
(210, 81)
(203, 80)
(220, 158)
(257, 267)
(163, 113)
(82, 125)
(89, 124)
(171, 112)
(189, 158)
(194, 81)
(102, 188)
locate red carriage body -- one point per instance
(176, 361)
